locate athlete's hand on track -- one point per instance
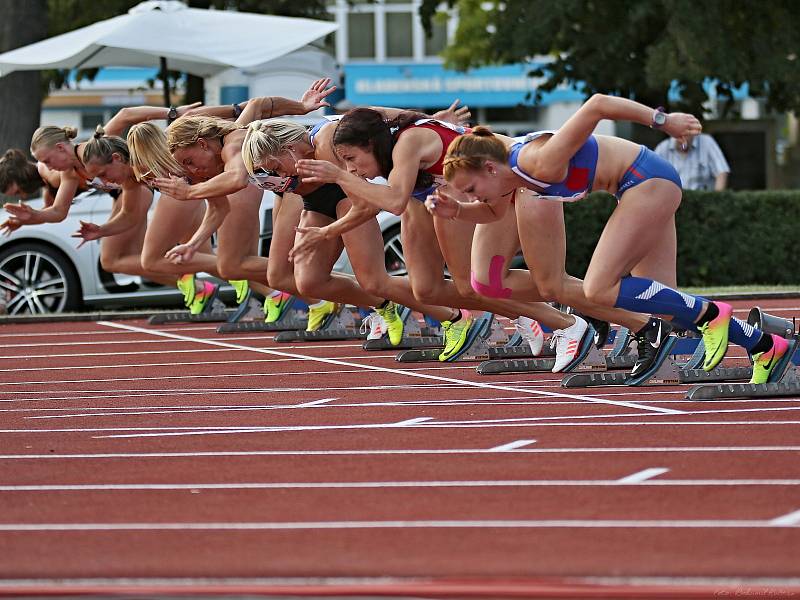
(88, 232)
(314, 97)
(682, 126)
(318, 171)
(309, 238)
(441, 204)
(457, 115)
(176, 187)
(9, 226)
(180, 254)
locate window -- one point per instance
(398, 35)
(438, 40)
(90, 120)
(361, 35)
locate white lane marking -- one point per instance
(349, 485)
(793, 518)
(387, 370)
(220, 453)
(512, 446)
(142, 352)
(312, 403)
(643, 476)
(313, 525)
(409, 422)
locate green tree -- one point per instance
(638, 49)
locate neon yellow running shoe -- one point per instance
(715, 336)
(394, 324)
(455, 335)
(204, 298)
(241, 287)
(186, 287)
(764, 363)
(274, 306)
(317, 315)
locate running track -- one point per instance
(156, 459)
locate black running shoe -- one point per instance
(601, 329)
(649, 345)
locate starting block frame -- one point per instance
(339, 326)
(217, 313)
(294, 317)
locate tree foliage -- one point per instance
(639, 50)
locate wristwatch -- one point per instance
(659, 118)
(172, 114)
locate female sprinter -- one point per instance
(410, 158)
(633, 265)
(276, 145)
(208, 151)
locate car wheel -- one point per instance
(393, 252)
(37, 279)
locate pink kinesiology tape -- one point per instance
(495, 288)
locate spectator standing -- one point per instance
(700, 163)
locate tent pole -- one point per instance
(165, 81)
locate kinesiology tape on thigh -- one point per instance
(495, 288)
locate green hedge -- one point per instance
(724, 238)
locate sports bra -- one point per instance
(580, 173)
(447, 132)
(318, 126)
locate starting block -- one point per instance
(217, 312)
(294, 317)
(414, 336)
(786, 383)
(488, 332)
(341, 325)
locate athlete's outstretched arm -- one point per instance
(267, 107)
(138, 114)
(56, 212)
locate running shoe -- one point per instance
(204, 299)
(185, 285)
(715, 336)
(275, 306)
(375, 324)
(769, 366)
(530, 331)
(456, 336)
(653, 346)
(601, 329)
(572, 344)
(392, 321)
(241, 287)
(319, 314)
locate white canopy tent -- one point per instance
(196, 41)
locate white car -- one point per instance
(42, 271)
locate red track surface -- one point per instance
(234, 463)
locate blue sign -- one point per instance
(427, 86)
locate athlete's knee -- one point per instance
(372, 283)
(598, 291)
(228, 268)
(426, 292)
(281, 278)
(493, 288)
(150, 261)
(551, 289)
(309, 284)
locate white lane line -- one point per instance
(142, 352)
(312, 403)
(387, 370)
(512, 446)
(643, 476)
(349, 485)
(409, 422)
(221, 453)
(315, 525)
(793, 518)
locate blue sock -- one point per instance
(363, 312)
(743, 334)
(641, 295)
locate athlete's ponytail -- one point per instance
(149, 155)
(101, 147)
(268, 138)
(471, 151)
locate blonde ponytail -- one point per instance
(50, 135)
(267, 138)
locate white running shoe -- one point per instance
(531, 332)
(376, 324)
(568, 343)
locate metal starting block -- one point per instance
(294, 317)
(489, 332)
(787, 384)
(414, 336)
(595, 360)
(341, 325)
(218, 312)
